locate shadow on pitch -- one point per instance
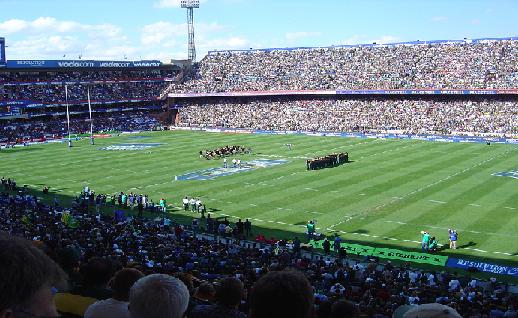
(469, 244)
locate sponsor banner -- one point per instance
(355, 249)
(439, 138)
(2, 52)
(389, 253)
(415, 257)
(253, 93)
(481, 266)
(143, 80)
(353, 92)
(81, 64)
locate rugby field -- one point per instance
(389, 192)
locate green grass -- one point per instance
(391, 191)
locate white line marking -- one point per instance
(398, 198)
(509, 208)
(437, 201)
(474, 204)
(311, 189)
(251, 204)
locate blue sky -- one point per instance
(156, 29)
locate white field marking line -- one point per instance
(461, 230)
(361, 194)
(442, 180)
(251, 204)
(398, 198)
(311, 189)
(347, 218)
(509, 208)
(437, 201)
(474, 204)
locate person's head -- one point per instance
(434, 310)
(158, 296)
(122, 282)
(28, 280)
(229, 292)
(344, 309)
(97, 272)
(205, 291)
(282, 294)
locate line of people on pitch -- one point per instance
(195, 205)
(124, 200)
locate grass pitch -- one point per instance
(390, 191)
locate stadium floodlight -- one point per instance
(190, 5)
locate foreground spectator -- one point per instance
(158, 296)
(28, 280)
(229, 294)
(117, 306)
(283, 294)
(432, 310)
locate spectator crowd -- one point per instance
(478, 116)
(103, 257)
(104, 85)
(17, 131)
(487, 64)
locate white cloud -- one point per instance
(363, 39)
(384, 39)
(294, 36)
(52, 25)
(51, 38)
(475, 21)
(12, 26)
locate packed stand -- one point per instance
(17, 131)
(467, 65)
(219, 278)
(48, 87)
(377, 114)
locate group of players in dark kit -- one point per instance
(224, 152)
(331, 160)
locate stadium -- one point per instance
(385, 173)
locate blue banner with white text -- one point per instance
(18, 64)
(483, 267)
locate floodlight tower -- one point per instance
(190, 5)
